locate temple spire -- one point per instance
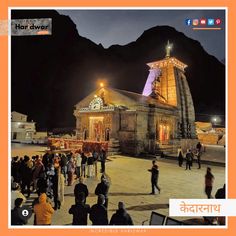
(169, 47)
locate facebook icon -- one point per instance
(188, 22)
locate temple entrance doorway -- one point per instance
(96, 128)
(164, 133)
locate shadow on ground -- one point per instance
(128, 194)
(146, 207)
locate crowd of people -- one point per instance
(39, 172)
(98, 212)
(191, 154)
(47, 176)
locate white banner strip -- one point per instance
(25, 27)
(202, 207)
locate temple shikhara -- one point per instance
(163, 115)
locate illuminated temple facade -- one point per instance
(163, 115)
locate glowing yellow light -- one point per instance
(95, 96)
(101, 85)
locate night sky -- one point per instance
(110, 27)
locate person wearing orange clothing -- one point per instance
(43, 211)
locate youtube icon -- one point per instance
(203, 21)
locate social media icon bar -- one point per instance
(204, 23)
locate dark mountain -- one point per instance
(50, 74)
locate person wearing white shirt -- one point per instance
(78, 160)
(16, 193)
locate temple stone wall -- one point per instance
(82, 124)
(115, 125)
(185, 144)
(128, 121)
(128, 142)
(142, 129)
(127, 132)
(133, 137)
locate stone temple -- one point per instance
(160, 118)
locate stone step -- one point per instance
(167, 150)
(114, 141)
(114, 145)
(114, 153)
(113, 150)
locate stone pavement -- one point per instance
(214, 153)
(130, 183)
(18, 149)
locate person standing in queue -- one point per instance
(70, 170)
(16, 212)
(98, 212)
(80, 210)
(121, 217)
(95, 160)
(81, 188)
(103, 188)
(83, 164)
(43, 211)
(103, 157)
(90, 161)
(78, 160)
